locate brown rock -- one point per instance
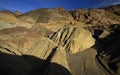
(95, 17)
(60, 57)
(46, 15)
(42, 30)
(17, 13)
(74, 39)
(7, 12)
(113, 9)
(26, 43)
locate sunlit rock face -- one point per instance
(29, 41)
(22, 43)
(74, 39)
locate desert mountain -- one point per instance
(113, 9)
(53, 41)
(47, 15)
(9, 19)
(17, 13)
(95, 17)
(7, 12)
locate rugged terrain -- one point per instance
(54, 41)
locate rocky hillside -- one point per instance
(113, 9)
(10, 19)
(53, 41)
(95, 17)
(73, 39)
(7, 12)
(22, 42)
(17, 13)
(47, 15)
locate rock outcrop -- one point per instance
(26, 39)
(22, 43)
(95, 17)
(74, 39)
(113, 9)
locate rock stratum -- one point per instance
(54, 41)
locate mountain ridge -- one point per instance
(54, 41)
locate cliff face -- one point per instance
(57, 42)
(73, 39)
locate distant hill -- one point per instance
(17, 13)
(46, 15)
(7, 12)
(113, 9)
(96, 16)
